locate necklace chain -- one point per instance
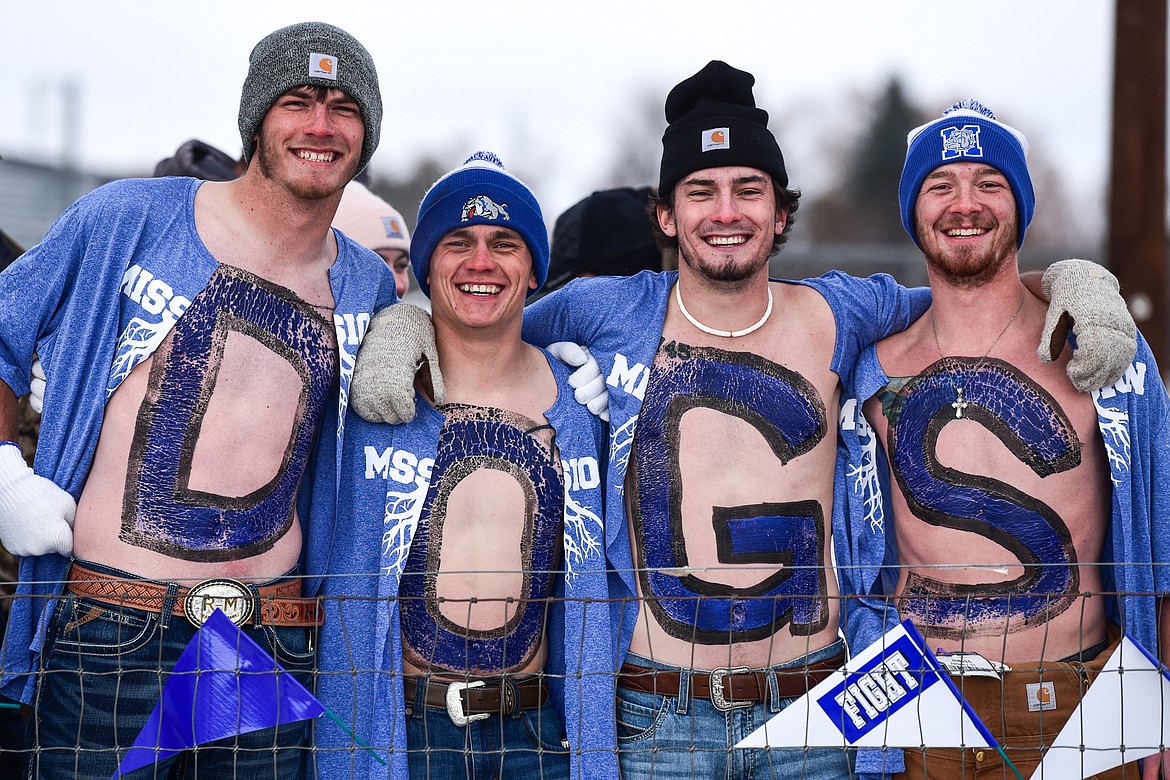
(727, 334)
(960, 403)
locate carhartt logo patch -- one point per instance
(716, 138)
(960, 142)
(323, 66)
(393, 229)
(1041, 696)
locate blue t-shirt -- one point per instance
(387, 472)
(93, 300)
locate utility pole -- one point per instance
(1137, 191)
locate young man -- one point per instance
(724, 395)
(193, 334)
(444, 646)
(724, 388)
(1008, 488)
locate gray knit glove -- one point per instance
(1084, 296)
(397, 341)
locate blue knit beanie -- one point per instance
(967, 132)
(479, 192)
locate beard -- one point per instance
(270, 153)
(970, 267)
(728, 269)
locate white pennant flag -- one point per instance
(1127, 705)
(893, 694)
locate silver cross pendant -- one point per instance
(959, 405)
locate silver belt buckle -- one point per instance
(232, 596)
(718, 700)
(455, 703)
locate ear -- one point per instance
(666, 220)
(532, 281)
(781, 220)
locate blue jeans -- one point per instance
(529, 745)
(665, 737)
(103, 668)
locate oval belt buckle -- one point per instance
(231, 596)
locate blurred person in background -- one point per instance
(200, 160)
(376, 225)
(604, 234)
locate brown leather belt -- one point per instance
(730, 688)
(470, 700)
(280, 604)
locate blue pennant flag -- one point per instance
(223, 684)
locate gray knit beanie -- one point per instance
(310, 53)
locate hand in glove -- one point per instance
(382, 389)
(36, 516)
(587, 382)
(1086, 297)
(36, 386)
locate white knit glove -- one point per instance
(36, 516)
(1086, 296)
(587, 382)
(382, 389)
(36, 386)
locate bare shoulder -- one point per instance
(533, 391)
(804, 311)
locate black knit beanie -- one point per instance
(605, 234)
(713, 122)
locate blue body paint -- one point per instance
(161, 511)
(1036, 431)
(483, 439)
(786, 410)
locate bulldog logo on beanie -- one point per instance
(961, 142)
(483, 207)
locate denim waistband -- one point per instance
(816, 656)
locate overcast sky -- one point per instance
(551, 85)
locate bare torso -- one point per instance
(730, 491)
(1011, 502)
(202, 445)
(481, 563)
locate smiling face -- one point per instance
(966, 220)
(310, 141)
(725, 220)
(480, 276)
